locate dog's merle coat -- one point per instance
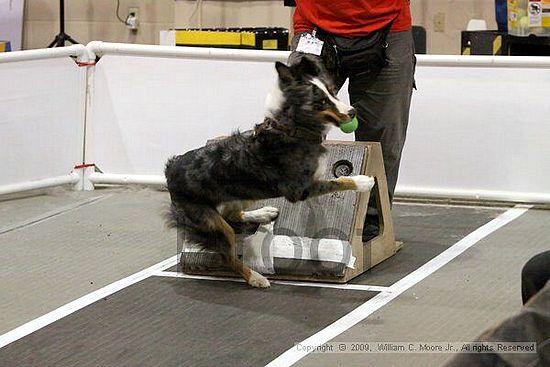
(213, 184)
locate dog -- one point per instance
(281, 157)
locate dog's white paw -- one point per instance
(258, 280)
(263, 215)
(363, 183)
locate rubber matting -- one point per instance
(426, 231)
(177, 322)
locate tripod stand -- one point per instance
(62, 37)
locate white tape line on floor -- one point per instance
(355, 287)
(294, 354)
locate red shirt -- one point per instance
(351, 17)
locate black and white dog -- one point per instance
(213, 185)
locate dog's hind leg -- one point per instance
(252, 277)
(200, 220)
(263, 215)
(234, 212)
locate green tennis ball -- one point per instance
(350, 126)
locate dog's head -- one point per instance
(307, 95)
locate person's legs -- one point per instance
(382, 102)
(534, 275)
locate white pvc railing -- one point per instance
(99, 48)
(135, 101)
(119, 179)
(79, 51)
(484, 61)
(71, 178)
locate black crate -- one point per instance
(270, 34)
(484, 43)
(529, 46)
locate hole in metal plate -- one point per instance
(342, 168)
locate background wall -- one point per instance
(88, 20)
(232, 13)
(445, 19)
(11, 22)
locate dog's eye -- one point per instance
(325, 101)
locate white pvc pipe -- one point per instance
(484, 61)
(79, 51)
(103, 48)
(118, 179)
(72, 178)
(99, 48)
(475, 195)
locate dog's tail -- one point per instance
(199, 224)
(175, 217)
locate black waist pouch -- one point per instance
(358, 55)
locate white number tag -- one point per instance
(310, 44)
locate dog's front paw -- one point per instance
(263, 215)
(258, 280)
(363, 183)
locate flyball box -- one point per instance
(332, 218)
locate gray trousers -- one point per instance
(382, 102)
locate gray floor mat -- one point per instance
(426, 231)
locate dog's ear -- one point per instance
(285, 75)
(307, 67)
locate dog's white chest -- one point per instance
(321, 167)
